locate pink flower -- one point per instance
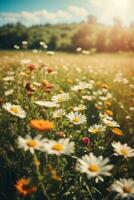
(85, 140)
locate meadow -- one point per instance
(66, 126)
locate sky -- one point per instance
(30, 12)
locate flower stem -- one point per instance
(40, 177)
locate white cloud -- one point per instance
(73, 13)
(79, 11)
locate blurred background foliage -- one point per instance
(68, 37)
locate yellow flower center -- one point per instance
(76, 119)
(32, 143)
(124, 151)
(14, 109)
(96, 130)
(94, 168)
(110, 123)
(126, 189)
(57, 147)
(61, 99)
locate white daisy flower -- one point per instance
(109, 122)
(122, 150)
(80, 108)
(60, 98)
(94, 167)
(48, 104)
(62, 146)
(31, 144)
(50, 53)
(15, 110)
(8, 92)
(78, 49)
(59, 113)
(16, 47)
(76, 118)
(88, 97)
(124, 188)
(82, 86)
(97, 128)
(8, 78)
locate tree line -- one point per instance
(68, 37)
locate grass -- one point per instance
(110, 91)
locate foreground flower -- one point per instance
(117, 131)
(80, 108)
(60, 98)
(15, 110)
(9, 92)
(94, 167)
(109, 122)
(96, 128)
(76, 118)
(85, 140)
(82, 86)
(124, 188)
(24, 188)
(48, 104)
(123, 150)
(62, 146)
(31, 144)
(41, 125)
(58, 113)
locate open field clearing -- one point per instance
(66, 126)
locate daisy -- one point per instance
(122, 150)
(76, 118)
(61, 97)
(62, 146)
(80, 108)
(16, 47)
(48, 104)
(96, 128)
(8, 92)
(8, 78)
(58, 113)
(79, 49)
(109, 122)
(30, 144)
(94, 167)
(88, 97)
(82, 86)
(15, 110)
(124, 188)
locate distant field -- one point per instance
(113, 61)
(96, 96)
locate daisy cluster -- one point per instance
(66, 127)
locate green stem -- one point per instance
(40, 178)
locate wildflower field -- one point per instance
(66, 126)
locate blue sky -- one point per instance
(33, 5)
(31, 12)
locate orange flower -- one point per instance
(109, 112)
(31, 66)
(117, 131)
(54, 174)
(104, 85)
(47, 86)
(97, 107)
(41, 125)
(23, 187)
(108, 103)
